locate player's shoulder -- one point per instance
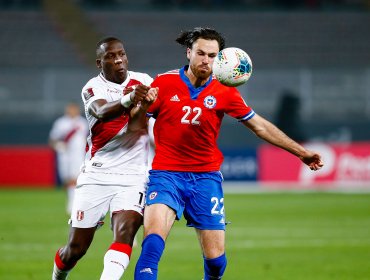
(60, 120)
(222, 89)
(217, 84)
(93, 82)
(143, 78)
(171, 73)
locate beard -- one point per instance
(201, 73)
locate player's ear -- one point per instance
(188, 50)
(98, 63)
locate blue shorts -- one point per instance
(198, 195)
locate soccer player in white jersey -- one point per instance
(113, 177)
(68, 138)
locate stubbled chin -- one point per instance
(204, 74)
(203, 70)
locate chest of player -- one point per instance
(179, 107)
(113, 93)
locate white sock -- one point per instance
(59, 274)
(116, 260)
(60, 270)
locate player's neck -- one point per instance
(195, 81)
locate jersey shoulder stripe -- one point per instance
(171, 72)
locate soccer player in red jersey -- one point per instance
(185, 177)
(114, 174)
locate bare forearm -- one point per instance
(270, 133)
(273, 135)
(138, 113)
(106, 111)
(138, 119)
(276, 137)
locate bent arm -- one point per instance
(138, 118)
(104, 111)
(138, 113)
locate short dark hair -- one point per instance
(104, 41)
(187, 38)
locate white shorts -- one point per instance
(92, 203)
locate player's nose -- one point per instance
(118, 60)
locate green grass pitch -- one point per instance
(271, 236)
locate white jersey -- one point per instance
(69, 134)
(115, 156)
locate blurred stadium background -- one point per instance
(311, 77)
(311, 69)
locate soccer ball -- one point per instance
(232, 67)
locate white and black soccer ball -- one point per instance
(232, 67)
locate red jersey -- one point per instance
(188, 122)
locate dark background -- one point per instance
(311, 60)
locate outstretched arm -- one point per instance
(270, 133)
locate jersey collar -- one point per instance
(194, 92)
(123, 85)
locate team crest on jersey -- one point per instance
(210, 102)
(80, 215)
(153, 195)
(88, 94)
